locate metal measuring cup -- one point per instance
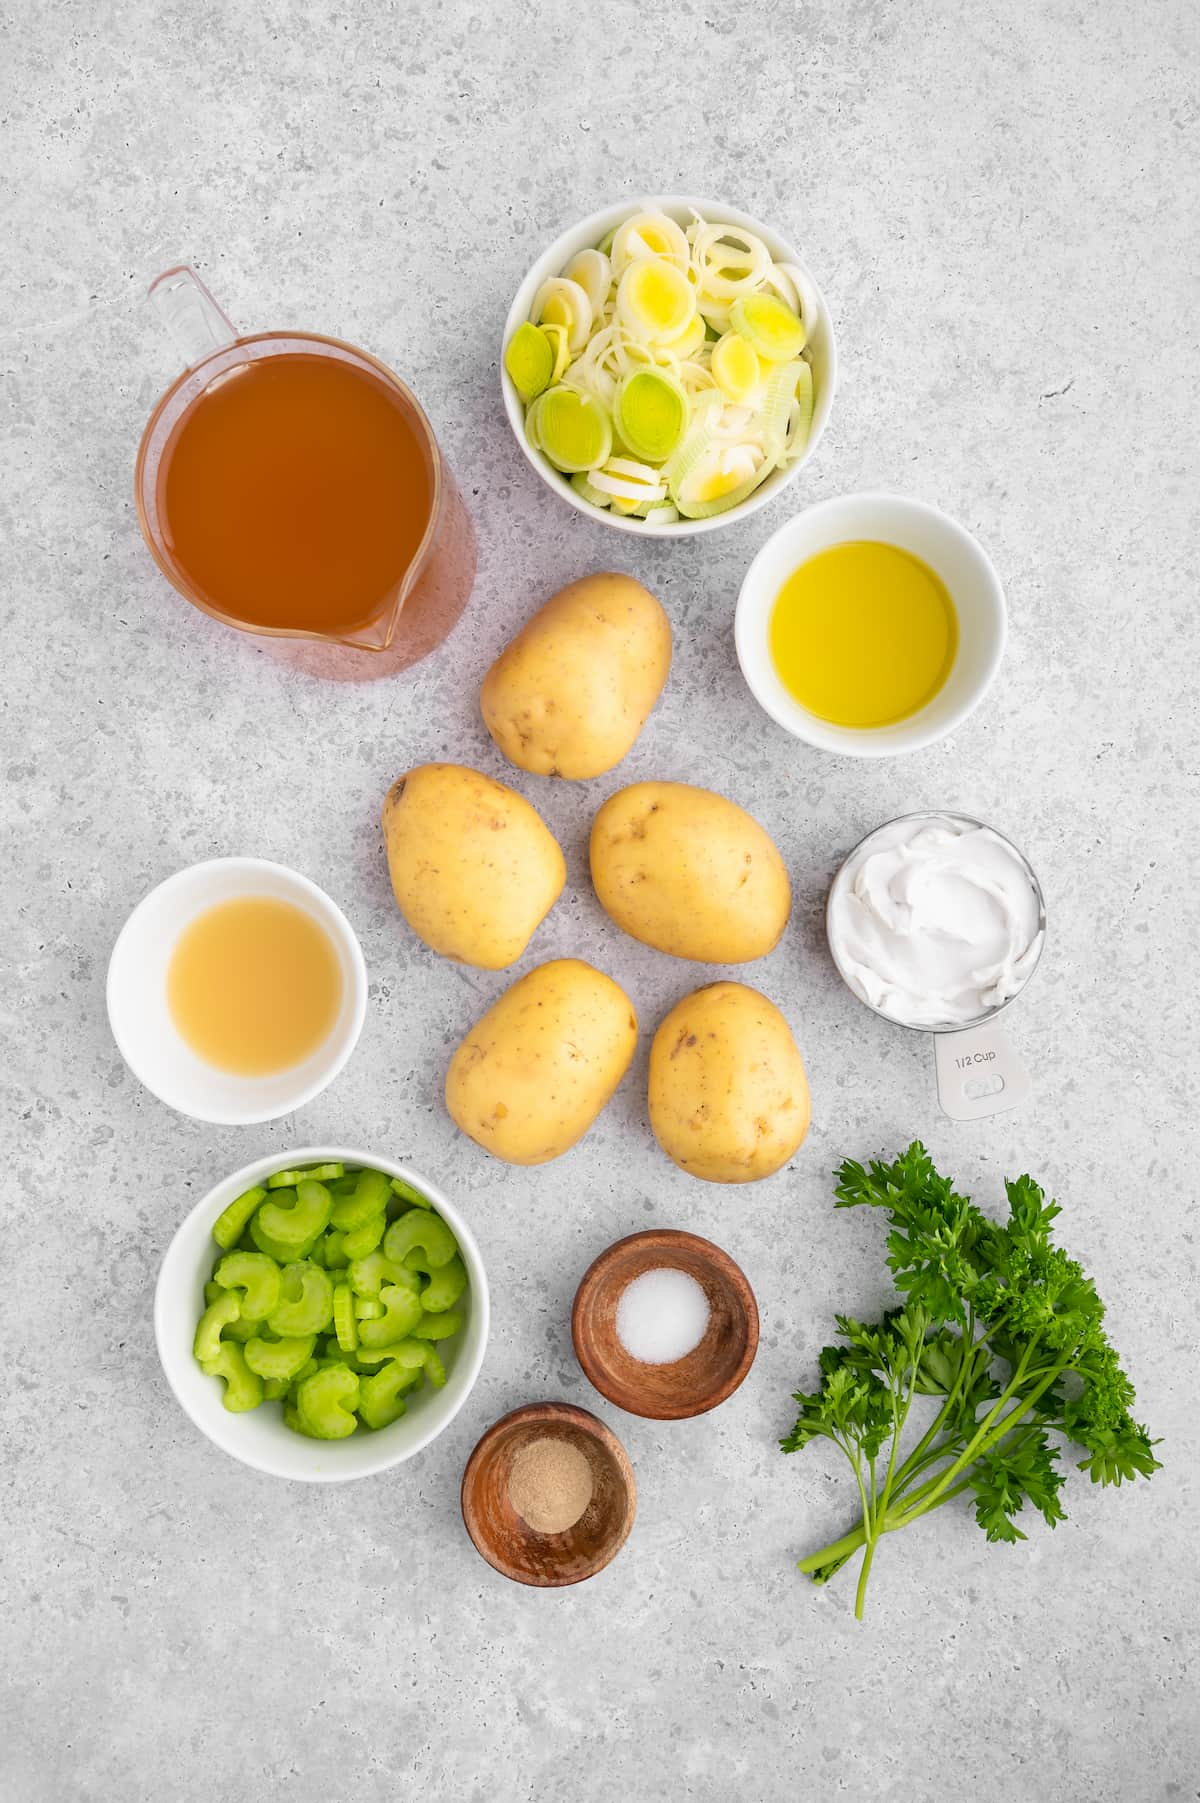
(977, 1068)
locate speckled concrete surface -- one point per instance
(1000, 203)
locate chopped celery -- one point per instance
(437, 1327)
(422, 1229)
(380, 1398)
(325, 1402)
(294, 1224)
(305, 1301)
(408, 1192)
(445, 1286)
(279, 1358)
(256, 1276)
(369, 1199)
(364, 1239)
(402, 1309)
(345, 1321)
(232, 1222)
(367, 1275)
(207, 1343)
(243, 1387)
(270, 1332)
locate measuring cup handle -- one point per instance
(978, 1073)
(191, 315)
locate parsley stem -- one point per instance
(835, 1551)
(864, 1573)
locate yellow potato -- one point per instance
(728, 1094)
(474, 868)
(531, 1076)
(570, 694)
(689, 873)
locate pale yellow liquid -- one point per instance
(254, 986)
(863, 634)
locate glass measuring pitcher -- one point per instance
(291, 486)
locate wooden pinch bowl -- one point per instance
(506, 1541)
(707, 1375)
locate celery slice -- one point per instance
(232, 1222)
(774, 331)
(325, 1402)
(218, 1315)
(369, 1199)
(573, 430)
(401, 1312)
(420, 1231)
(305, 1301)
(364, 1239)
(444, 1288)
(408, 1192)
(243, 1387)
(256, 1276)
(437, 1327)
(529, 361)
(279, 1358)
(651, 414)
(345, 1321)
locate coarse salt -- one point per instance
(662, 1316)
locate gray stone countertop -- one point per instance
(1000, 204)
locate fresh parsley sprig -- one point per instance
(1001, 1326)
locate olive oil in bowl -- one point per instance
(863, 634)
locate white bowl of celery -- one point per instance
(668, 365)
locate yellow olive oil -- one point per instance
(863, 634)
(254, 985)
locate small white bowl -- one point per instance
(259, 1437)
(584, 236)
(147, 1037)
(948, 549)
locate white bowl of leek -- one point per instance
(668, 366)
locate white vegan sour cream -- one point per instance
(935, 921)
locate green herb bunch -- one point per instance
(1000, 1325)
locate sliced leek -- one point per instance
(529, 360)
(735, 367)
(559, 302)
(593, 272)
(649, 235)
(655, 300)
(664, 371)
(651, 414)
(775, 332)
(573, 429)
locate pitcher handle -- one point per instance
(192, 317)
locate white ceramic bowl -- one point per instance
(147, 1037)
(927, 533)
(589, 232)
(259, 1437)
